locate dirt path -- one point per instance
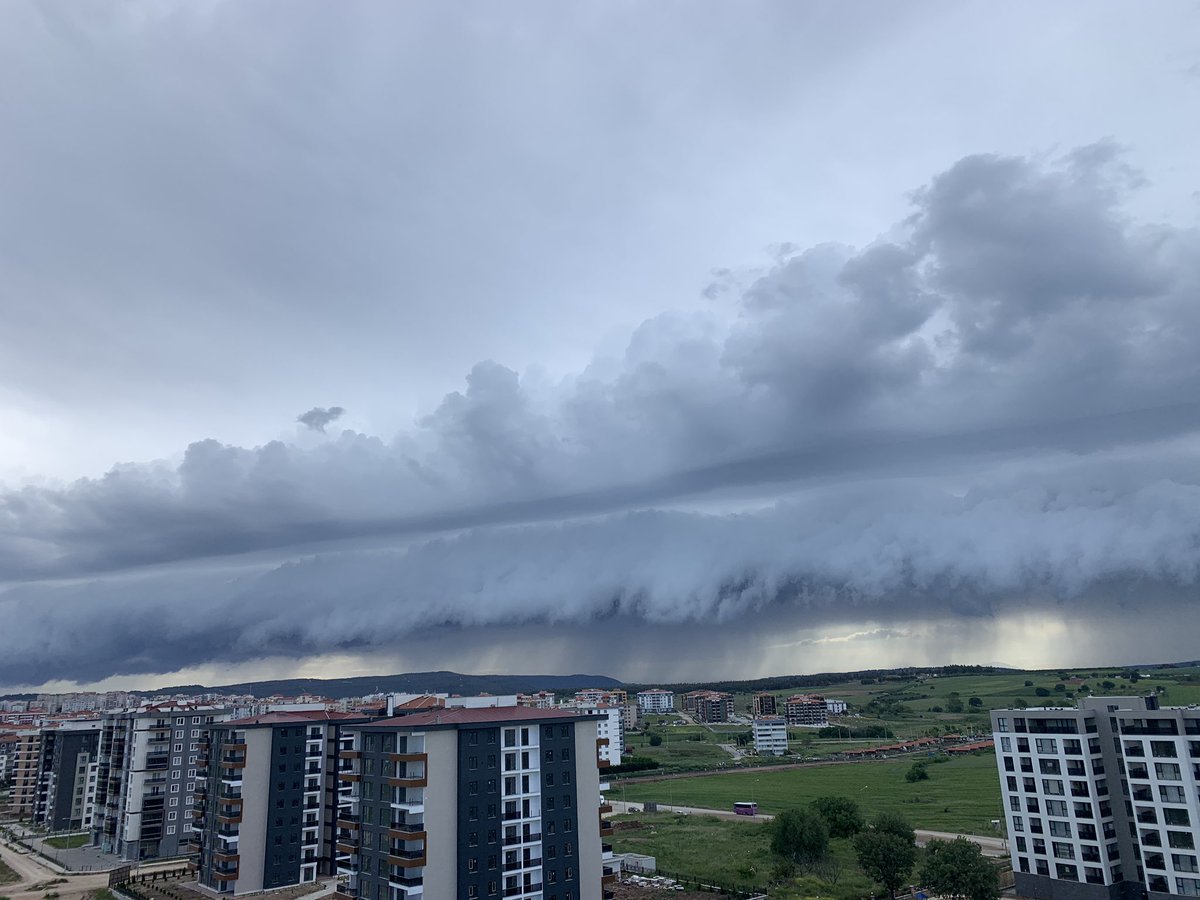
(33, 871)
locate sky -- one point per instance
(650, 339)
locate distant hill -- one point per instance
(407, 683)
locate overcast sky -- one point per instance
(653, 339)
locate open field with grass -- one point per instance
(68, 841)
(7, 875)
(961, 795)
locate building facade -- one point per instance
(66, 786)
(713, 706)
(764, 704)
(472, 803)
(1101, 800)
(656, 700)
(770, 736)
(147, 777)
(23, 796)
(266, 800)
(806, 709)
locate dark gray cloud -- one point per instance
(319, 416)
(999, 397)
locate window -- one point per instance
(1056, 808)
(178, 761)
(170, 829)
(191, 785)
(1181, 840)
(565, 754)
(195, 732)
(174, 789)
(1060, 829)
(195, 720)
(473, 787)
(1176, 817)
(472, 865)
(1052, 786)
(1166, 771)
(1006, 744)
(1163, 749)
(174, 801)
(1046, 745)
(472, 813)
(1171, 793)
(191, 774)
(194, 745)
(1001, 723)
(473, 839)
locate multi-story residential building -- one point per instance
(770, 736)
(8, 756)
(473, 803)
(26, 765)
(610, 728)
(835, 707)
(602, 696)
(146, 779)
(67, 769)
(764, 704)
(656, 700)
(714, 706)
(1101, 800)
(538, 700)
(806, 709)
(266, 800)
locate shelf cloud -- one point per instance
(998, 396)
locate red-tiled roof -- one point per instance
(473, 716)
(426, 702)
(294, 717)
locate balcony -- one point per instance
(408, 757)
(409, 781)
(349, 754)
(407, 831)
(407, 859)
(347, 847)
(349, 776)
(347, 821)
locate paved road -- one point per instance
(990, 846)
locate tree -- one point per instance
(1042, 692)
(801, 836)
(1060, 688)
(975, 702)
(885, 857)
(840, 814)
(954, 703)
(959, 870)
(1028, 683)
(896, 824)
(1108, 685)
(916, 773)
(655, 740)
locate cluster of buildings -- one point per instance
(414, 796)
(1101, 800)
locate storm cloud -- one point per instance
(319, 417)
(997, 397)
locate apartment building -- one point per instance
(835, 707)
(770, 736)
(1101, 800)
(266, 800)
(67, 768)
(538, 700)
(714, 706)
(146, 779)
(473, 803)
(764, 704)
(23, 796)
(610, 728)
(8, 756)
(806, 709)
(656, 700)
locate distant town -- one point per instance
(1090, 782)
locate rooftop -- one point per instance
(474, 716)
(294, 717)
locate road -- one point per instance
(994, 847)
(33, 871)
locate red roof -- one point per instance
(295, 717)
(474, 716)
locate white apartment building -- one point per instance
(770, 736)
(656, 700)
(1102, 801)
(835, 707)
(610, 730)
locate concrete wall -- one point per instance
(441, 815)
(587, 789)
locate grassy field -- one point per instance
(961, 795)
(7, 875)
(69, 841)
(738, 855)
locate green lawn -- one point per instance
(69, 841)
(961, 795)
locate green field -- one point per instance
(961, 795)
(68, 841)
